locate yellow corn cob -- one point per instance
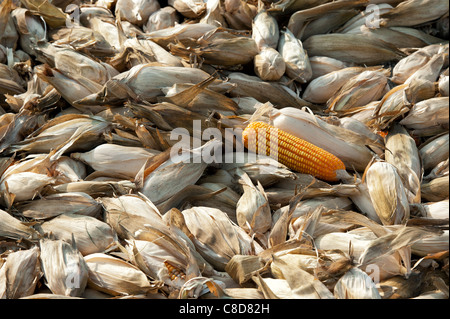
(174, 272)
(292, 151)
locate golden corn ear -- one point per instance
(174, 272)
(291, 151)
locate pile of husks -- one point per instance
(95, 96)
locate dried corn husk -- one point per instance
(222, 241)
(146, 81)
(64, 268)
(24, 186)
(189, 8)
(77, 132)
(115, 276)
(436, 189)
(57, 204)
(189, 166)
(241, 268)
(95, 188)
(90, 235)
(300, 282)
(363, 17)
(434, 151)
(31, 29)
(269, 65)
(112, 158)
(321, 65)
(81, 38)
(356, 284)
(444, 85)
(265, 30)
(252, 210)
(219, 48)
(322, 88)
(414, 12)
(11, 227)
(136, 11)
(273, 92)
(401, 151)
(161, 19)
(239, 14)
(52, 15)
(428, 117)
(298, 67)
(436, 210)
(20, 274)
(353, 48)
(360, 90)
(9, 35)
(388, 195)
(431, 244)
(413, 62)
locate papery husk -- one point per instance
(296, 57)
(81, 38)
(443, 85)
(428, 114)
(323, 18)
(301, 283)
(273, 92)
(23, 186)
(9, 35)
(20, 274)
(142, 51)
(356, 284)
(11, 227)
(252, 210)
(216, 249)
(431, 70)
(186, 34)
(127, 214)
(321, 65)
(269, 65)
(241, 268)
(146, 81)
(431, 244)
(239, 14)
(265, 30)
(68, 170)
(434, 150)
(57, 204)
(410, 64)
(353, 48)
(214, 14)
(10, 81)
(435, 210)
(414, 12)
(30, 27)
(52, 15)
(189, 8)
(322, 88)
(111, 158)
(259, 168)
(387, 193)
(363, 17)
(71, 63)
(401, 151)
(65, 270)
(219, 48)
(161, 19)
(104, 25)
(140, 10)
(360, 90)
(436, 189)
(198, 98)
(115, 276)
(76, 132)
(189, 166)
(95, 188)
(90, 234)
